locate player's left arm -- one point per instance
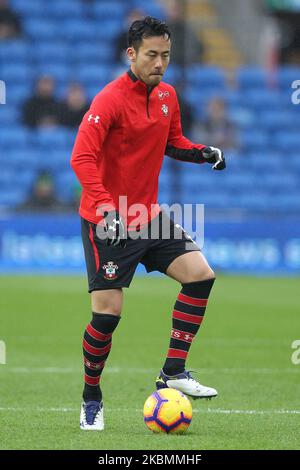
(181, 148)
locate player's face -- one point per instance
(150, 62)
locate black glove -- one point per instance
(215, 157)
(115, 229)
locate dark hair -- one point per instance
(146, 28)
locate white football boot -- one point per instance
(91, 416)
(186, 384)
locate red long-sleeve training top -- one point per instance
(121, 143)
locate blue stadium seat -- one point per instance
(16, 73)
(21, 180)
(252, 77)
(259, 160)
(285, 141)
(233, 98)
(109, 30)
(222, 200)
(52, 52)
(172, 74)
(282, 179)
(201, 196)
(52, 138)
(11, 198)
(93, 89)
(294, 162)
(195, 180)
(14, 137)
(253, 139)
(235, 159)
(238, 181)
(164, 196)
(204, 170)
(94, 74)
(29, 8)
(87, 53)
(9, 115)
(199, 98)
(60, 72)
(18, 93)
(19, 160)
(76, 30)
(277, 120)
(286, 202)
(57, 161)
(206, 77)
(164, 176)
(66, 184)
(5, 176)
(262, 100)
(242, 117)
(14, 51)
(109, 9)
(193, 95)
(156, 10)
(62, 9)
(152, 8)
(42, 29)
(254, 200)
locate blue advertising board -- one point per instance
(52, 243)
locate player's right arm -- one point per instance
(87, 151)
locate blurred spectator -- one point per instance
(10, 25)
(217, 129)
(269, 45)
(121, 40)
(186, 47)
(42, 197)
(286, 24)
(290, 43)
(74, 107)
(42, 109)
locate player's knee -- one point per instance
(108, 309)
(113, 314)
(203, 274)
(107, 302)
(209, 274)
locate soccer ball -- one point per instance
(168, 411)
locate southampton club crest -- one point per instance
(165, 110)
(110, 270)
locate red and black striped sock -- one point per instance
(187, 316)
(96, 347)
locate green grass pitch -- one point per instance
(243, 349)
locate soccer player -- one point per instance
(131, 124)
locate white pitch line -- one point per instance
(42, 370)
(38, 410)
(118, 410)
(248, 412)
(138, 370)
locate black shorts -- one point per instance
(114, 267)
